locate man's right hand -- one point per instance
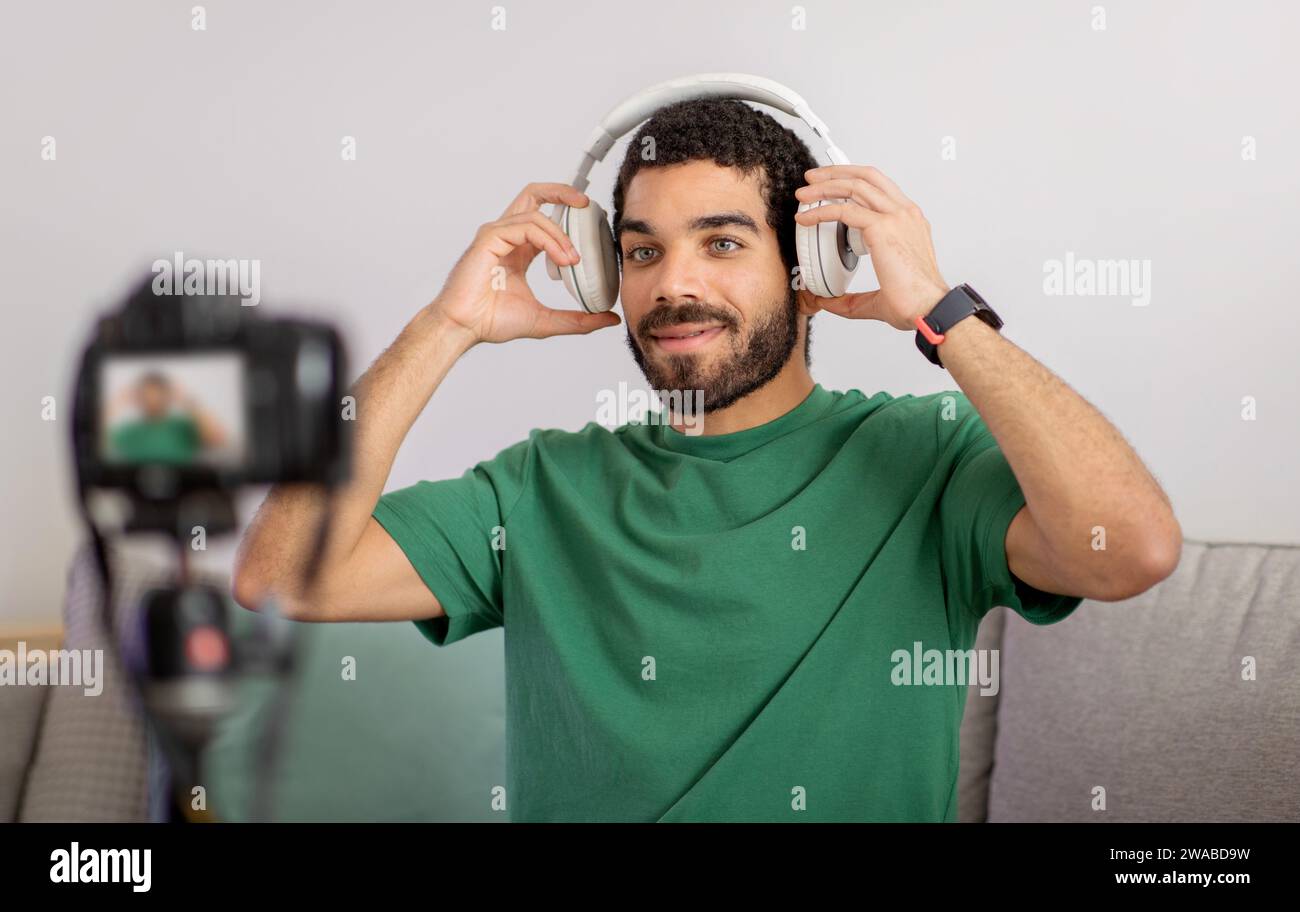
(487, 297)
(364, 575)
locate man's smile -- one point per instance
(685, 337)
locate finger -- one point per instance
(835, 305)
(850, 214)
(505, 237)
(869, 173)
(856, 189)
(535, 195)
(550, 227)
(552, 322)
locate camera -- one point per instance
(179, 398)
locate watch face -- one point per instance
(983, 311)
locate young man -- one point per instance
(169, 425)
(711, 627)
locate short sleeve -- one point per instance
(981, 498)
(452, 531)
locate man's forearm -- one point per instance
(389, 397)
(211, 433)
(1075, 468)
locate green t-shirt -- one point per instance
(704, 628)
(174, 438)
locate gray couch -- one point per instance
(1142, 703)
(1149, 700)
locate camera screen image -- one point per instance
(180, 409)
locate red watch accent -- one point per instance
(924, 329)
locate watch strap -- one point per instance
(956, 305)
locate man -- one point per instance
(158, 433)
(706, 627)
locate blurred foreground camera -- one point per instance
(180, 400)
(181, 397)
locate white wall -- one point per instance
(1119, 143)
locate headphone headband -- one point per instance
(625, 116)
(828, 251)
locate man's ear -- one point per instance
(807, 302)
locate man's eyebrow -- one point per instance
(699, 223)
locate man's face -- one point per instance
(153, 398)
(699, 257)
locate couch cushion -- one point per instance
(91, 761)
(1145, 698)
(20, 717)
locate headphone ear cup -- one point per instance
(593, 280)
(826, 261)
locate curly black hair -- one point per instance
(730, 133)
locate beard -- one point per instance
(743, 366)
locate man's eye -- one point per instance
(633, 253)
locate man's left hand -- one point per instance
(896, 233)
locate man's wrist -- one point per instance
(932, 300)
(433, 320)
(949, 315)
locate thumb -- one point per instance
(553, 322)
(857, 306)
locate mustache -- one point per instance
(695, 312)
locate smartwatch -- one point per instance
(956, 305)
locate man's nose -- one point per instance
(679, 278)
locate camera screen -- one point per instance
(182, 409)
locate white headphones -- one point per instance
(828, 251)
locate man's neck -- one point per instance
(781, 394)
